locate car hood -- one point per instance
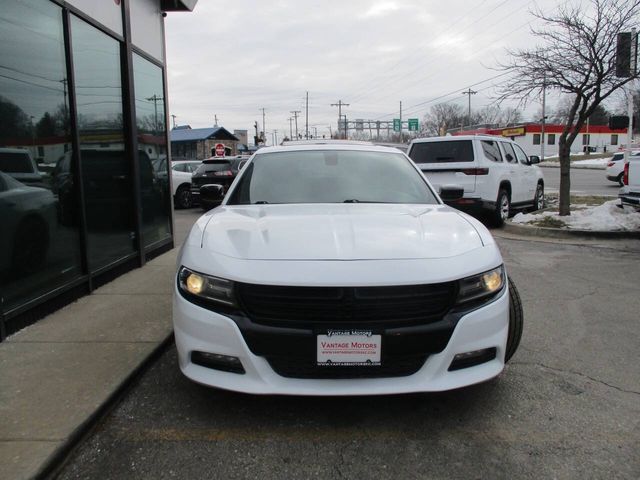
(339, 232)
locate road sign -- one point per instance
(219, 150)
(396, 125)
(413, 124)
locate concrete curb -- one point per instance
(51, 467)
(530, 231)
(579, 167)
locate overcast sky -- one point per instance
(231, 59)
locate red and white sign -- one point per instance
(348, 349)
(219, 150)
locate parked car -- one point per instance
(27, 220)
(18, 163)
(615, 167)
(337, 270)
(181, 174)
(495, 173)
(630, 192)
(215, 170)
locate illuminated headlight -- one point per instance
(208, 288)
(481, 285)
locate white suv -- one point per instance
(336, 269)
(494, 172)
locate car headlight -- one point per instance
(481, 285)
(206, 287)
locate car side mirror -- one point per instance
(211, 193)
(451, 193)
(533, 159)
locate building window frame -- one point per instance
(536, 138)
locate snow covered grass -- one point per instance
(605, 217)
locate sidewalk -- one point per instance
(57, 375)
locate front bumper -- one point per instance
(199, 329)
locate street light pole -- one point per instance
(544, 114)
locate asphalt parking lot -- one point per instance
(567, 406)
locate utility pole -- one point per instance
(469, 92)
(340, 104)
(633, 66)
(544, 113)
(295, 117)
(400, 121)
(306, 120)
(155, 99)
(264, 128)
(275, 134)
(290, 128)
(173, 117)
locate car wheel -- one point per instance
(502, 209)
(620, 177)
(516, 321)
(183, 197)
(538, 199)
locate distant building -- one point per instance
(199, 143)
(596, 138)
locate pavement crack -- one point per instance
(580, 374)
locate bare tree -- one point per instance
(442, 117)
(576, 55)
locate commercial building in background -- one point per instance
(83, 120)
(199, 143)
(596, 138)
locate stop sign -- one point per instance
(219, 150)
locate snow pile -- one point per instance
(596, 162)
(605, 217)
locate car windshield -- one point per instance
(14, 162)
(331, 176)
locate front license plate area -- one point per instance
(348, 348)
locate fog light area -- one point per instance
(471, 359)
(215, 361)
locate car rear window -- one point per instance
(14, 162)
(214, 165)
(331, 176)
(442, 152)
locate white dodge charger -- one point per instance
(336, 269)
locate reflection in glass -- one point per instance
(39, 239)
(152, 150)
(106, 171)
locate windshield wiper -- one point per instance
(351, 200)
(261, 202)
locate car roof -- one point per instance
(335, 145)
(450, 138)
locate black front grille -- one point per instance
(383, 307)
(301, 368)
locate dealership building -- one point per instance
(84, 190)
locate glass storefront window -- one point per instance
(152, 150)
(39, 235)
(106, 170)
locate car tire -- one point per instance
(538, 198)
(502, 209)
(619, 179)
(183, 198)
(516, 321)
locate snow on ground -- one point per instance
(599, 162)
(605, 217)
